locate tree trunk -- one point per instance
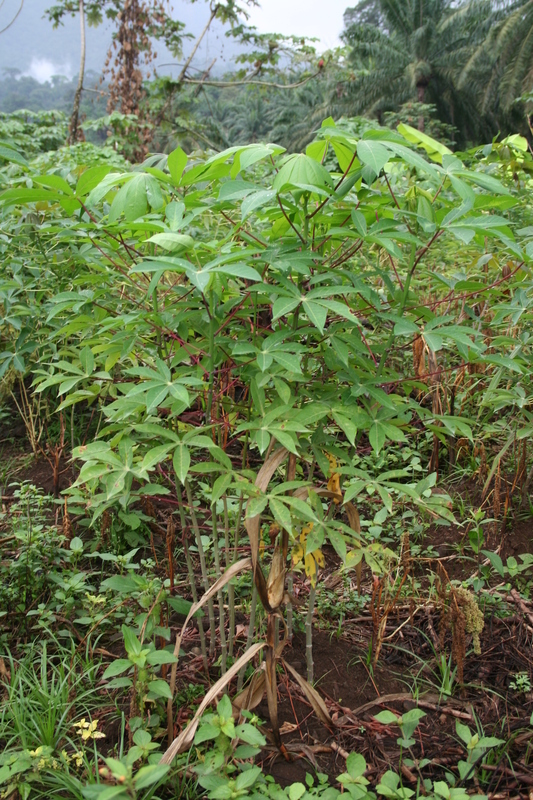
(74, 128)
(421, 91)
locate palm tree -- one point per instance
(414, 53)
(294, 117)
(248, 119)
(506, 53)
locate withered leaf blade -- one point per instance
(355, 524)
(186, 737)
(252, 523)
(251, 695)
(319, 707)
(276, 579)
(302, 493)
(263, 479)
(353, 517)
(228, 574)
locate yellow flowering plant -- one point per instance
(88, 730)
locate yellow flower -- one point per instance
(87, 730)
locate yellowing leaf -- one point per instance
(334, 486)
(297, 554)
(310, 568)
(332, 462)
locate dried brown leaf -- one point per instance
(251, 695)
(314, 698)
(228, 574)
(276, 580)
(186, 737)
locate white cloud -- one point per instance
(42, 69)
(320, 18)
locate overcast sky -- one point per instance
(321, 18)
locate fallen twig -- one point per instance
(519, 776)
(515, 598)
(393, 698)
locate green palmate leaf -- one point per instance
(24, 196)
(433, 341)
(236, 190)
(172, 241)
(257, 200)
(284, 305)
(9, 154)
(286, 439)
(220, 486)
(346, 424)
(436, 150)
(139, 193)
(155, 456)
(90, 178)
(317, 150)
(405, 327)
(256, 506)
(239, 271)
(314, 539)
(176, 162)
(339, 543)
(54, 182)
(301, 170)
(373, 154)
(181, 462)
(359, 222)
(377, 436)
(262, 439)
(290, 362)
(87, 360)
(317, 314)
(283, 389)
(485, 181)
(264, 361)
(281, 513)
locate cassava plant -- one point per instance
(240, 329)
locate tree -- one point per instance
(74, 130)
(412, 50)
(501, 67)
(141, 22)
(295, 117)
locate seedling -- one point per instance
(407, 723)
